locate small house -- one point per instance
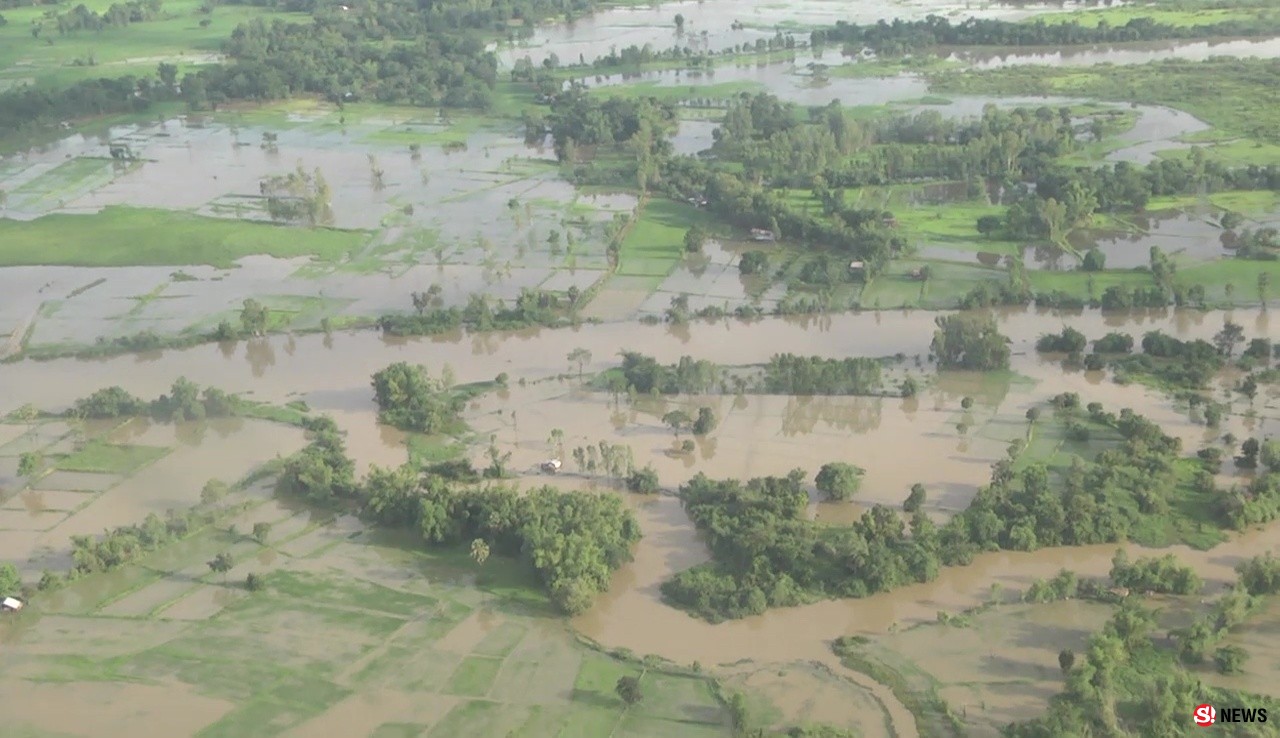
(10, 604)
(761, 234)
(551, 466)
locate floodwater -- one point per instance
(708, 24)
(544, 233)
(455, 196)
(757, 435)
(37, 526)
(1128, 53)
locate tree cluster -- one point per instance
(788, 374)
(481, 313)
(766, 553)
(1161, 575)
(185, 401)
(900, 37)
(410, 399)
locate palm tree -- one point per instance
(479, 550)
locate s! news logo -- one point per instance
(1206, 715)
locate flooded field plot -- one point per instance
(150, 598)
(1002, 668)
(384, 661)
(38, 501)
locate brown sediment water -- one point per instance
(897, 441)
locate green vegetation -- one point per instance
(1234, 95)
(574, 542)
(186, 401)
(1127, 684)
(838, 480)
(106, 458)
(970, 341)
(655, 243)
(784, 374)
(531, 308)
(1133, 486)
(123, 236)
(412, 400)
(389, 631)
(1128, 24)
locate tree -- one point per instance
(909, 387)
(253, 316)
(678, 420)
(1094, 261)
(10, 580)
(643, 481)
(261, 531)
(29, 462)
(915, 499)
(1228, 338)
(479, 550)
(628, 688)
(679, 23)
(1270, 455)
(1230, 659)
(409, 399)
(581, 357)
(705, 422)
(214, 491)
(838, 481)
(221, 564)
(753, 262)
(1066, 659)
(970, 341)
(694, 239)
(255, 583)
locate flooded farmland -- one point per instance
(758, 435)
(230, 609)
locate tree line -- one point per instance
(783, 374)
(898, 37)
(390, 51)
(573, 541)
(481, 313)
(185, 401)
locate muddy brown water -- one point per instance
(758, 435)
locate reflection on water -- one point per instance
(1128, 53)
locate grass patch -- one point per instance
(106, 458)
(283, 707)
(655, 243)
(432, 449)
(474, 676)
(399, 730)
(721, 91)
(370, 596)
(476, 719)
(1235, 95)
(123, 236)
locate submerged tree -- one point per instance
(628, 688)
